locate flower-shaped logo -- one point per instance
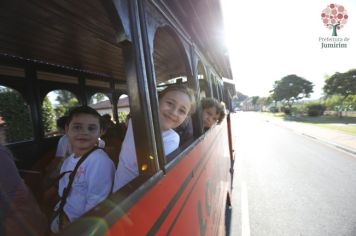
(334, 17)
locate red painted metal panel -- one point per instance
(190, 198)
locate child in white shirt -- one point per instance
(94, 177)
(176, 103)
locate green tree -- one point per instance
(48, 116)
(254, 102)
(63, 96)
(98, 97)
(66, 100)
(343, 86)
(269, 100)
(16, 114)
(122, 116)
(290, 89)
(332, 101)
(261, 102)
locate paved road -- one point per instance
(289, 184)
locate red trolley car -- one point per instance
(55, 51)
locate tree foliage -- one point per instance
(343, 84)
(48, 116)
(269, 100)
(16, 114)
(98, 97)
(122, 116)
(255, 100)
(291, 88)
(340, 89)
(316, 109)
(63, 96)
(66, 100)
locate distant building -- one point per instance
(247, 105)
(105, 107)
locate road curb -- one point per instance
(346, 149)
(341, 147)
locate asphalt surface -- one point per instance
(341, 140)
(292, 180)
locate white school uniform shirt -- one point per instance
(127, 168)
(92, 183)
(63, 147)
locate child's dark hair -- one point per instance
(106, 117)
(61, 122)
(106, 122)
(84, 110)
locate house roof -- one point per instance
(123, 102)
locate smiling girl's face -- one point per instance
(174, 108)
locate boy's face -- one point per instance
(174, 107)
(210, 117)
(83, 132)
